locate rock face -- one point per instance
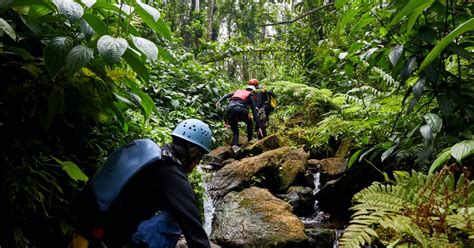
(239, 172)
(301, 199)
(294, 165)
(276, 169)
(216, 157)
(333, 166)
(266, 144)
(255, 218)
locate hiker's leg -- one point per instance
(161, 231)
(234, 125)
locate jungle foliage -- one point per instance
(416, 209)
(393, 79)
(79, 80)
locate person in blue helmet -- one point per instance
(152, 207)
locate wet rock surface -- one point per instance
(255, 218)
(264, 195)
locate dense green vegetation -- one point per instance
(390, 79)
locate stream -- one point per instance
(316, 224)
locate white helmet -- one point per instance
(250, 88)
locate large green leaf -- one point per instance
(137, 64)
(55, 54)
(462, 149)
(412, 19)
(5, 27)
(354, 158)
(86, 29)
(412, 5)
(154, 13)
(96, 23)
(440, 160)
(159, 26)
(348, 17)
(78, 57)
(72, 10)
(339, 3)
(72, 170)
(434, 122)
(106, 6)
(144, 101)
(36, 12)
(125, 8)
(166, 55)
(436, 51)
(395, 54)
(89, 3)
(147, 47)
(111, 49)
(17, 3)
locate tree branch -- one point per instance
(234, 53)
(299, 17)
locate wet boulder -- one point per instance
(240, 173)
(255, 218)
(215, 159)
(333, 166)
(266, 144)
(301, 199)
(292, 167)
(223, 152)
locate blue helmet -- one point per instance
(194, 131)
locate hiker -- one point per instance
(237, 110)
(265, 102)
(119, 205)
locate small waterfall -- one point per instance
(208, 202)
(318, 216)
(317, 182)
(338, 236)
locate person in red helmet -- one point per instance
(237, 110)
(265, 102)
(253, 82)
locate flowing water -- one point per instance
(317, 220)
(208, 203)
(318, 216)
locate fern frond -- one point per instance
(382, 74)
(419, 209)
(405, 226)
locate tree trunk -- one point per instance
(210, 19)
(197, 6)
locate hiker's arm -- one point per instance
(254, 111)
(225, 97)
(180, 201)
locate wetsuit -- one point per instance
(237, 110)
(162, 185)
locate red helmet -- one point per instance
(253, 82)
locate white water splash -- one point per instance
(338, 236)
(317, 182)
(318, 216)
(208, 203)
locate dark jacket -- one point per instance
(262, 98)
(248, 103)
(162, 185)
